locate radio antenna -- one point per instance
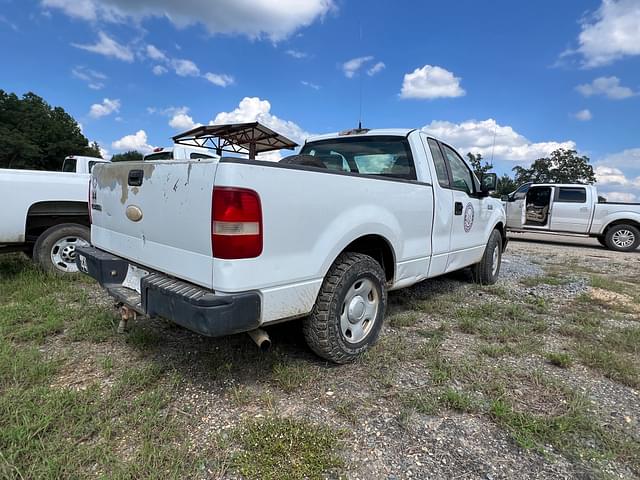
(360, 79)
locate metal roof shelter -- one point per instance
(248, 138)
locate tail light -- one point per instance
(236, 223)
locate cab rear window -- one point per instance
(386, 156)
(160, 156)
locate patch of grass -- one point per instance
(279, 448)
(611, 364)
(495, 350)
(404, 319)
(624, 340)
(560, 359)
(455, 400)
(143, 337)
(469, 324)
(291, 376)
(347, 409)
(239, 395)
(96, 327)
(421, 402)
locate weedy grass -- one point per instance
(291, 376)
(560, 359)
(278, 448)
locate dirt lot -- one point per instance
(535, 377)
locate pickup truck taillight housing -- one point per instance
(236, 223)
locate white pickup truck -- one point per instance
(230, 245)
(573, 209)
(45, 214)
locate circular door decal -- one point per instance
(468, 217)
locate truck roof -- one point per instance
(399, 132)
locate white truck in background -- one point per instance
(231, 245)
(573, 209)
(45, 214)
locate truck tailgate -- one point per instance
(163, 223)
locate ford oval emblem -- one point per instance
(134, 213)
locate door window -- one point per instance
(521, 192)
(572, 195)
(438, 160)
(461, 176)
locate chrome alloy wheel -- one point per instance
(63, 253)
(359, 310)
(623, 238)
(495, 260)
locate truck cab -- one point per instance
(80, 164)
(181, 152)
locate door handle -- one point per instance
(458, 208)
(135, 178)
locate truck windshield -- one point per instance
(388, 156)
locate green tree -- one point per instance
(476, 164)
(562, 166)
(506, 185)
(130, 156)
(35, 135)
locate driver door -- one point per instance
(469, 213)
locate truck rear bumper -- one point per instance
(186, 304)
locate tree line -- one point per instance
(35, 135)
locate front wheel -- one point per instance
(55, 249)
(348, 314)
(487, 270)
(622, 238)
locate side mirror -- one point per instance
(488, 182)
(505, 198)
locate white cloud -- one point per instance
(136, 141)
(608, 86)
(296, 54)
(155, 54)
(185, 68)
(478, 137)
(624, 197)
(611, 176)
(180, 120)
(583, 115)
(431, 82)
(351, 67)
(107, 107)
(9, 23)
(378, 67)
(94, 80)
(629, 158)
(108, 47)
(159, 70)
(252, 109)
(255, 19)
(84, 9)
(612, 32)
(310, 85)
(221, 80)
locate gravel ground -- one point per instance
(226, 382)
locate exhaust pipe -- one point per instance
(261, 339)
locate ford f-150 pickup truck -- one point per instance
(231, 245)
(573, 209)
(45, 214)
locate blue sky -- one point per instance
(512, 79)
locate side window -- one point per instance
(521, 192)
(438, 160)
(572, 195)
(461, 176)
(69, 165)
(195, 156)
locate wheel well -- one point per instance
(500, 227)
(43, 215)
(379, 249)
(621, 222)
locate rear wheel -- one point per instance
(55, 249)
(622, 238)
(487, 270)
(349, 311)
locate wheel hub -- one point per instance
(359, 310)
(63, 253)
(356, 309)
(623, 238)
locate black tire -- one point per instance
(43, 250)
(602, 241)
(322, 328)
(484, 272)
(615, 234)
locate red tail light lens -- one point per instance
(236, 223)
